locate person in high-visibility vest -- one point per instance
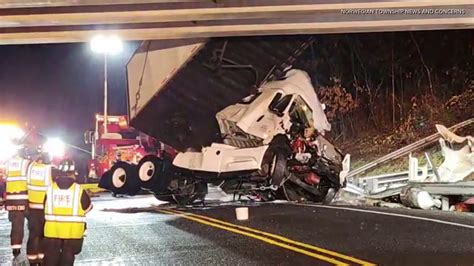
(66, 206)
(16, 199)
(39, 178)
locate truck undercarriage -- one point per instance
(270, 143)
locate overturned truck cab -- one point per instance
(264, 137)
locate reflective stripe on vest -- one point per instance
(16, 171)
(39, 179)
(37, 188)
(16, 197)
(72, 219)
(37, 206)
(16, 201)
(64, 216)
(16, 178)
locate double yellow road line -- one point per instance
(273, 239)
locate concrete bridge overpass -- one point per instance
(62, 21)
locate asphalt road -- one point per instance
(135, 231)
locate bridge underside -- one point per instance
(60, 21)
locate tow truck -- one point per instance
(118, 150)
(272, 142)
(119, 143)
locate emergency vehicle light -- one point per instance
(55, 147)
(9, 133)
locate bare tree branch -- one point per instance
(428, 72)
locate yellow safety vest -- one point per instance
(39, 179)
(16, 182)
(64, 215)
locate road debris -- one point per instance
(449, 186)
(242, 213)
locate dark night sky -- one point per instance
(59, 87)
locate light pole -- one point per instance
(106, 45)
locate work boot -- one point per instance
(16, 252)
(40, 259)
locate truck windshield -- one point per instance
(301, 112)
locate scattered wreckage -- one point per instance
(447, 187)
(270, 144)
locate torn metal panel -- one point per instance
(457, 165)
(452, 137)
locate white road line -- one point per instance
(392, 214)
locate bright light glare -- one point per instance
(106, 44)
(11, 132)
(55, 147)
(8, 148)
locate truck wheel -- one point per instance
(291, 192)
(123, 179)
(278, 168)
(105, 181)
(165, 197)
(275, 165)
(188, 193)
(151, 174)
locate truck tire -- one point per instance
(275, 165)
(292, 192)
(275, 160)
(151, 174)
(192, 193)
(165, 197)
(278, 167)
(124, 179)
(105, 180)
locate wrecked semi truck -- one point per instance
(231, 127)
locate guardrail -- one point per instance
(405, 150)
(386, 185)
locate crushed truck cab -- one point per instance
(250, 125)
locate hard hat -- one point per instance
(67, 166)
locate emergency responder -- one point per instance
(39, 178)
(16, 200)
(66, 206)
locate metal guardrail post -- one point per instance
(412, 167)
